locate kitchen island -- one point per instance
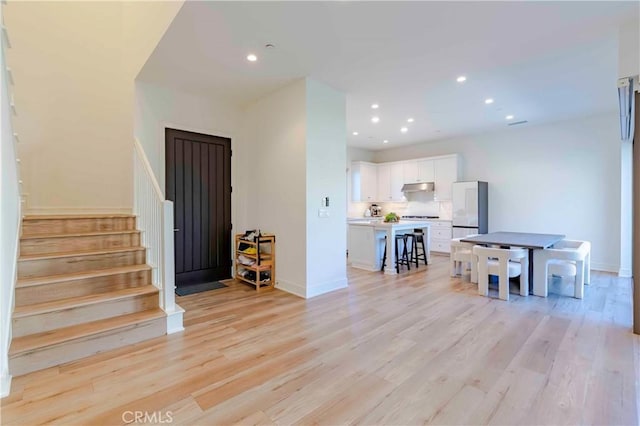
(366, 242)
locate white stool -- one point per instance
(504, 263)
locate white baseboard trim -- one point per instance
(604, 267)
(307, 293)
(76, 210)
(365, 266)
(327, 287)
(174, 320)
(293, 288)
(625, 273)
(5, 385)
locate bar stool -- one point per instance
(404, 258)
(418, 240)
(384, 255)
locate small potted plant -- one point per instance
(391, 217)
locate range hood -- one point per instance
(416, 187)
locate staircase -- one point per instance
(83, 288)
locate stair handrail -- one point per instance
(154, 217)
(10, 216)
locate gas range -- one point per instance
(419, 217)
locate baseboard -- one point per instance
(327, 287)
(604, 267)
(625, 273)
(5, 385)
(307, 293)
(174, 320)
(293, 288)
(365, 266)
(76, 210)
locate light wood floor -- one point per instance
(416, 348)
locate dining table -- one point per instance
(527, 240)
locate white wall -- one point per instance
(326, 164)
(629, 49)
(74, 64)
(553, 178)
(271, 185)
(9, 227)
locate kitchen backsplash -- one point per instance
(418, 204)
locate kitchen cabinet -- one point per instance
(363, 248)
(390, 181)
(441, 236)
(364, 181)
(445, 173)
(417, 171)
(383, 182)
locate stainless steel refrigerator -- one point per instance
(470, 208)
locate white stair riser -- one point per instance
(80, 287)
(55, 266)
(38, 323)
(32, 227)
(78, 243)
(76, 349)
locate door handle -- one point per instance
(176, 230)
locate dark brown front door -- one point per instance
(198, 181)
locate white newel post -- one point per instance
(154, 217)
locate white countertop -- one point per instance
(401, 224)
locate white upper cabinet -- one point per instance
(384, 182)
(425, 171)
(396, 172)
(364, 181)
(417, 171)
(446, 172)
(390, 181)
(410, 171)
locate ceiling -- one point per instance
(539, 61)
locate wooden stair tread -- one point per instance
(78, 216)
(20, 345)
(50, 279)
(78, 234)
(64, 304)
(78, 253)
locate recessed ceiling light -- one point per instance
(461, 79)
(409, 120)
(251, 57)
(269, 46)
(355, 133)
(509, 117)
(375, 106)
(385, 141)
(404, 130)
(488, 101)
(375, 119)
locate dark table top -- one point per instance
(517, 239)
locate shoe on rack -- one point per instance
(250, 250)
